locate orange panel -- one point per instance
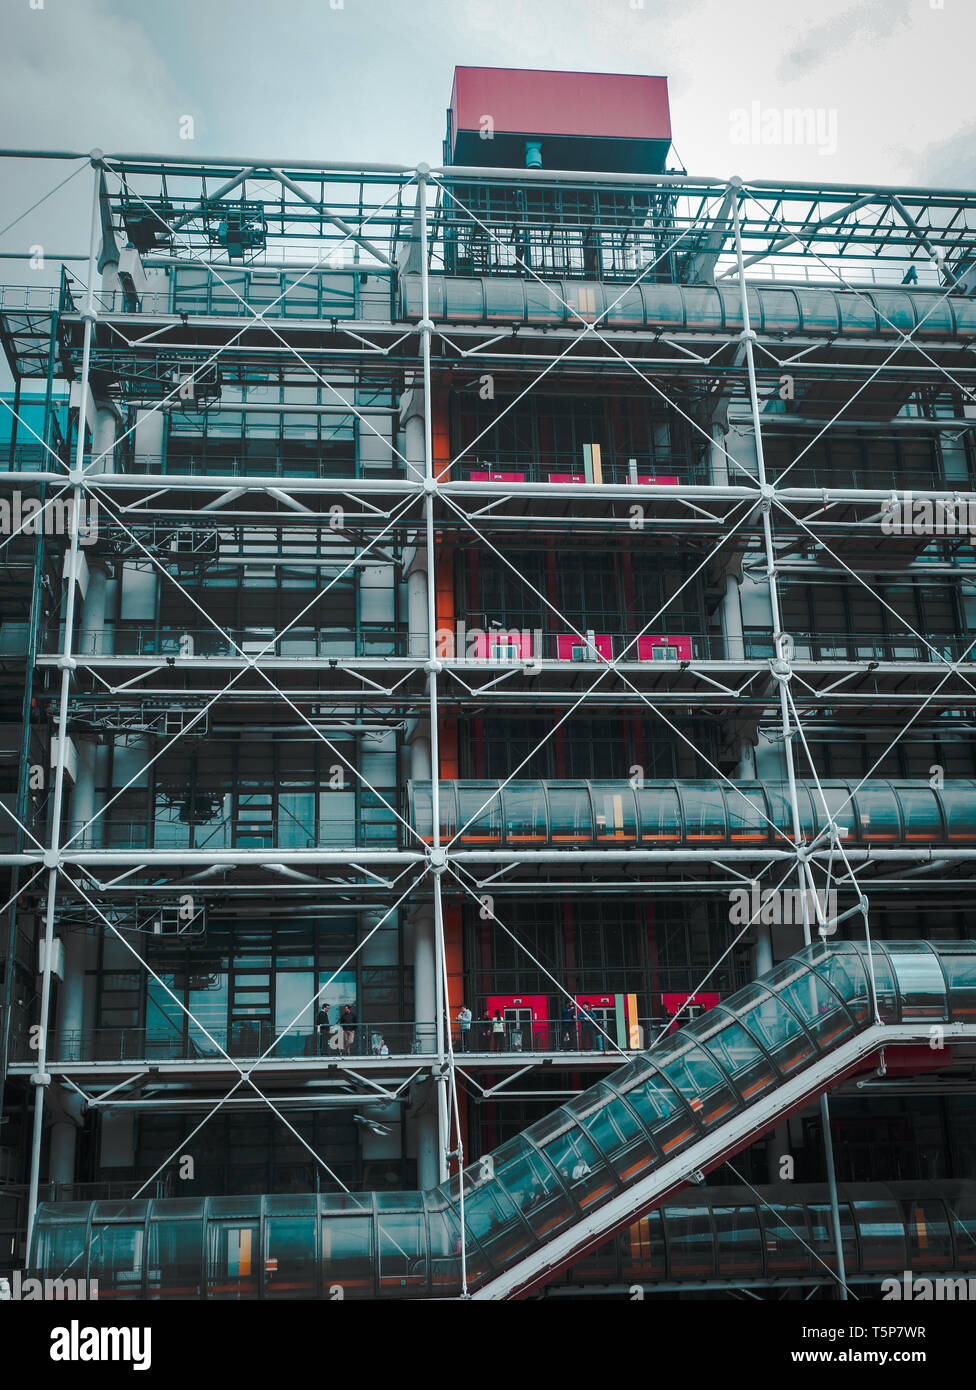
(440, 432)
(448, 734)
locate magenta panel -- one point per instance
(565, 642)
(671, 648)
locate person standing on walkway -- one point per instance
(347, 1022)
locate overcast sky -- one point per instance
(370, 80)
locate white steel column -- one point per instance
(40, 1077)
(438, 857)
(782, 671)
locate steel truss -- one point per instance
(392, 220)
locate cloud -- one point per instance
(949, 163)
(873, 19)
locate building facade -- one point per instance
(515, 604)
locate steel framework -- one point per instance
(132, 351)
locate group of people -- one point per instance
(578, 1028)
(484, 1034)
(339, 1035)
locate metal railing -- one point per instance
(300, 642)
(251, 1039)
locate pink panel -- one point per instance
(673, 1002)
(646, 645)
(660, 479)
(567, 477)
(499, 478)
(523, 101)
(522, 642)
(566, 641)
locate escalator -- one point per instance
(561, 1189)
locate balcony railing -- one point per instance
(300, 642)
(248, 1040)
(659, 470)
(228, 833)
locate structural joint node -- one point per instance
(52, 859)
(782, 670)
(431, 485)
(438, 860)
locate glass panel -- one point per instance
(814, 1002)
(696, 1077)
(533, 1187)
(480, 814)
(959, 965)
(524, 806)
(882, 1235)
(704, 812)
(736, 1052)
(290, 1266)
(959, 805)
(929, 1239)
(660, 814)
(962, 1209)
(579, 1165)
(616, 811)
(920, 812)
(643, 1254)
(877, 814)
(402, 1251)
(822, 1237)
(615, 1129)
(920, 982)
(232, 1254)
(346, 1255)
(784, 1234)
(570, 818)
(845, 970)
(748, 820)
(663, 1113)
(691, 1249)
(61, 1247)
(175, 1258)
(778, 1030)
(116, 1257)
(737, 1236)
(444, 1237)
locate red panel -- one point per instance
(520, 642)
(680, 645)
(613, 106)
(673, 1002)
(565, 642)
(478, 476)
